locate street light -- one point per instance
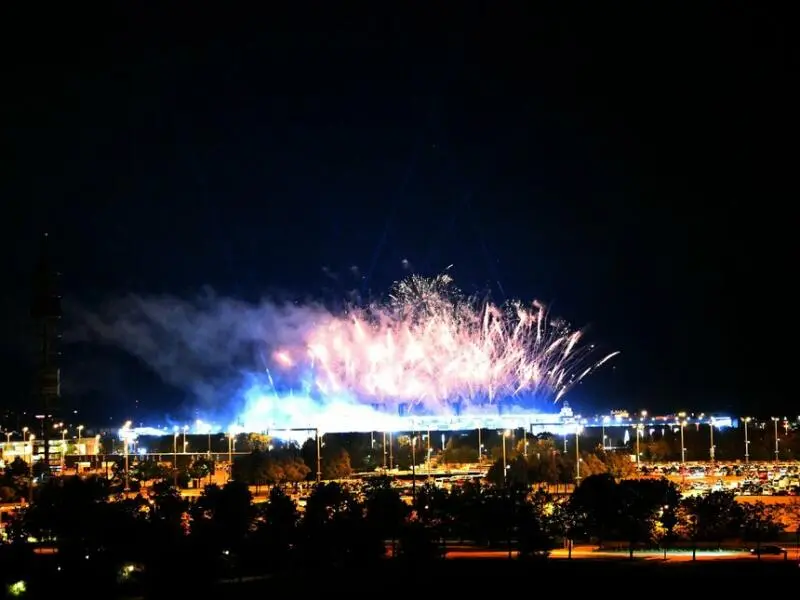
(230, 455)
(639, 430)
(712, 447)
(682, 417)
(606, 420)
(428, 452)
(506, 433)
(577, 455)
(746, 420)
(126, 439)
(413, 465)
(775, 422)
(77, 447)
(31, 438)
(63, 446)
(525, 442)
(384, 452)
(30, 486)
(319, 456)
(24, 442)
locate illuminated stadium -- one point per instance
(427, 356)
(562, 423)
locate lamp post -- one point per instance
(777, 451)
(175, 458)
(682, 417)
(428, 450)
(413, 465)
(384, 452)
(746, 420)
(506, 433)
(525, 442)
(7, 445)
(577, 455)
(126, 439)
(24, 443)
(77, 446)
(97, 451)
(63, 446)
(30, 486)
(230, 455)
(639, 429)
(480, 448)
(603, 429)
(711, 448)
(319, 456)
(31, 439)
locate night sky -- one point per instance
(633, 169)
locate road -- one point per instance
(589, 553)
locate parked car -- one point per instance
(773, 550)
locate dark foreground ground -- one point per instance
(474, 575)
(399, 579)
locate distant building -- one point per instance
(33, 452)
(46, 316)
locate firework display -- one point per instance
(425, 351)
(430, 348)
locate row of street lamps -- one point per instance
(683, 420)
(639, 432)
(126, 434)
(639, 428)
(28, 439)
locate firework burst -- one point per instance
(431, 345)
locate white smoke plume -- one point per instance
(207, 346)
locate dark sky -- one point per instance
(631, 167)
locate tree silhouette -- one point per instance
(16, 479)
(336, 464)
(597, 502)
(641, 503)
(760, 522)
(334, 530)
(170, 511)
(418, 544)
(275, 532)
(715, 517)
(278, 466)
(149, 470)
(385, 510)
(222, 516)
(536, 526)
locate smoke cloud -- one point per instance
(210, 346)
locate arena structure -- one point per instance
(563, 423)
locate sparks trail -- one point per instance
(431, 345)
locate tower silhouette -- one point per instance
(46, 315)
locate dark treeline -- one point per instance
(82, 529)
